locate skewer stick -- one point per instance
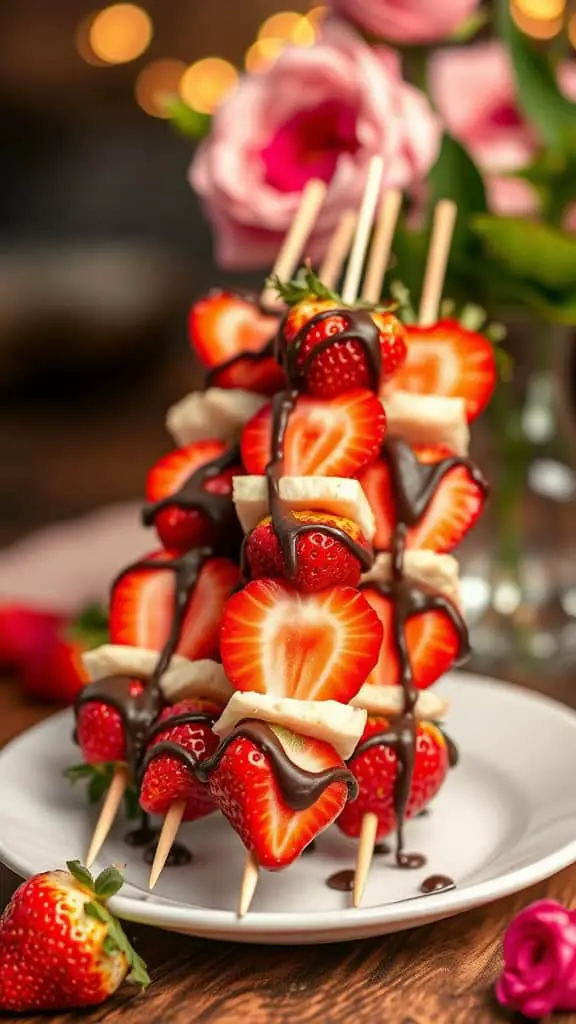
(112, 802)
(365, 853)
(381, 245)
(440, 241)
(338, 249)
(170, 827)
(291, 249)
(249, 883)
(363, 229)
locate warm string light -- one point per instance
(114, 35)
(534, 19)
(279, 31)
(156, 83)
(207, 83)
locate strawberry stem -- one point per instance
(306, 285)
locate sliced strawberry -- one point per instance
(432, 639)
(446, 359)
(376, 771)
(142, 606)
(247, 792)
(457, 502)
(181, 528)
(325, 437)
(166, 777)
(223, 324)
(261, 374)
(309, 646)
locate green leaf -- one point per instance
(78, 771)
(97, 911)
(455, 176)
(82, 875)
(539, 97)
(109, 882)
(90, 627)
(471, 26)
(187, 121)
(306, 285)
(99, 785)
(530, 249)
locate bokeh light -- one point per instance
(263, 54)
(541, 10)
(572, 30)
(207, 83)
(316, 15)
(289, 26)
(120, 33)
(82, 41)
(156, 83)
(537, 28)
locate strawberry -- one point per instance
(245, 788)
(60, 947)
(59, 677)
(167, 778)
(376, 771)
(432, 639)
(325, 437)
(313, 647)
(342, 365)
(179, 527)
(323, 561)
(26, 633)
(142, 605)
(100, 729)
(447, 359)
(455, 506)
(258, 373)
(224, 324)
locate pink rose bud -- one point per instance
(539, 973)
(407, 21)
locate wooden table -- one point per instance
(440, 974)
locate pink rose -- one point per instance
(319, 112)
(407, 21)
(539, 961)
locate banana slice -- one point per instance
(336, 495)
(440, 572)
(182, 679)
(216, 412)
(428, 419)
(389, 701)
(337, 724)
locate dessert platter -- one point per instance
(271, 702)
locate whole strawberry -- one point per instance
(100, 729)
(343, 364)
(323, 559)
(60, 947)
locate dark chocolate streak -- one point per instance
(360, 327)
(137, 712)
(266, 352)
(414, 483)
(437, 883)
(342, 881)
(184, 718)
(299, 787)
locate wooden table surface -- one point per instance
(442, 973)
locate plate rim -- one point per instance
(345, 921)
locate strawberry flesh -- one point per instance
(224, 324)
(260, 374)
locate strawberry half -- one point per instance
(142, 606)
(246, 790)
(446, 359)
(432, 639)
(259, 373)
(167, 778)
(455, 506)
(224, 324)
(313, 647)
(182, 528)
(324, 437)
(376, 771)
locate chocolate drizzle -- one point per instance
(299, 787)
(360, 327)
(437, 883)
(137, 711)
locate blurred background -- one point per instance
(104, 245)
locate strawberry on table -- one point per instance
(323, 560)
(454, 507)
(224, 324)
(60, 947)
(376, 771)
(187, 524)
(166, 777)
(432, 640)
(324, 437)
(142, 605)
(447, 359)
(319, 646)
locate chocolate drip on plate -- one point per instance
(360, 327)
(437, 883)
(342, 881)
(179, 855)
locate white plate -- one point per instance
(506, 818)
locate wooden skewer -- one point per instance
(363, 229)
(381, 245)
(338, 249)
(365, 853)
(249, 883)
(112, 802)
(293, 245)
(440, 241)
(170, 827)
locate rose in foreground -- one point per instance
(407, 21)
(539, 961)
(322, 112)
